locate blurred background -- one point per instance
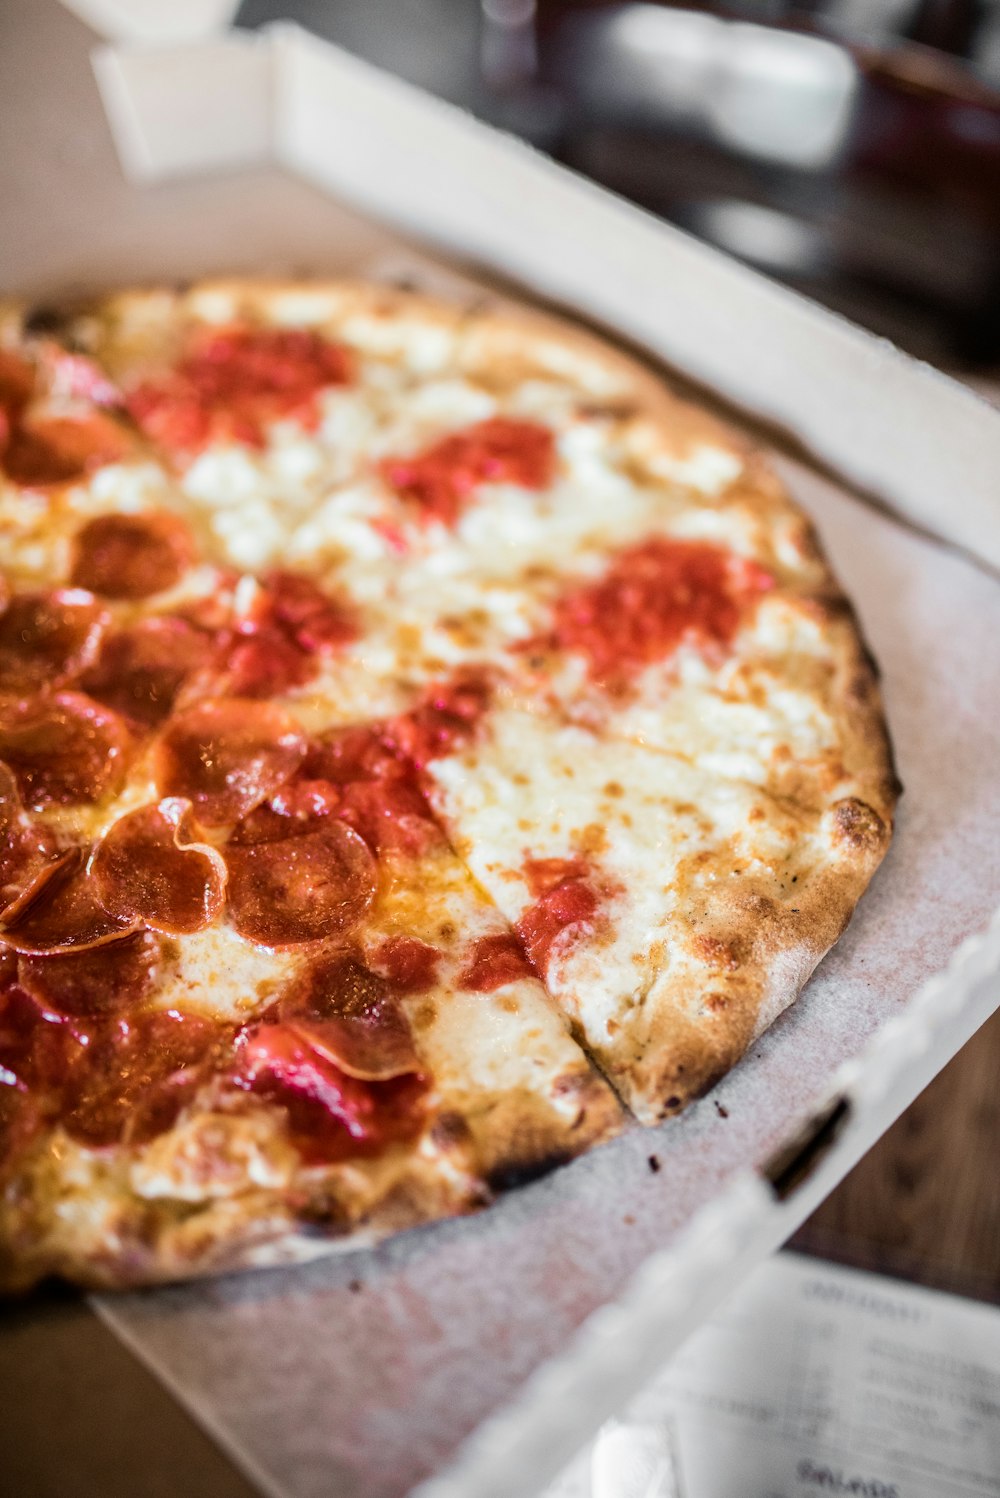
(850, 148)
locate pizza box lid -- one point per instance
(201, 101)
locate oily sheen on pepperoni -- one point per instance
(351, 1015)
(29, 853)
(98, 980)
(654, 596)
(64, 749)
(141, 670)
(66, 914)
(228, 756)
(331, 1115)
(131, 556)
(105, 1079)
(17, 382)
(298, 879)
(140, 1070)
(441, 480)
(47, 638)
(374, 789)
(43, 450)
(151, 867)
(234, 382)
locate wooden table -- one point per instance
(924, 1204)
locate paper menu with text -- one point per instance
(814, 1380)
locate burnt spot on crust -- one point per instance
(857, 826)
(45, 321)
(513, 1173)
(322, 1216)
(449, 1132)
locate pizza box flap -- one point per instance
(153, 22)
(897, 430)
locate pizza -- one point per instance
(426, 745)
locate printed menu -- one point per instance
(813, 1380)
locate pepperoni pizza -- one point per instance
(424, 743)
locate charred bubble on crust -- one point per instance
(514, 1173)
(322, 1216)
(858, 826)
(45, 321)
(719, 953)
(449, 1132)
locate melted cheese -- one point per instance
(657, 838)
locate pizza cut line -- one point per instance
(424, 744)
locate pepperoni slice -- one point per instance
(495, 961)
(37, 1057)
(47, 450)
(346, 754)
(331, 1115)
(442, 479)
(379, 792)
(17, 382)
(47, 638)
(654, 596)
(234, 382)
(140, 1071)
(106, 1079)
(350, 1015)
(150, 867)
(66, 914)
(391, 815)
(315, 881)
(29, 854)
(302, 799)
(98, 980)
(65, 749)
(227, 757)
(132, 556)
(140, 671)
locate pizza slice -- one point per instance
(671, 912)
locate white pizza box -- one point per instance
(277, 151)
